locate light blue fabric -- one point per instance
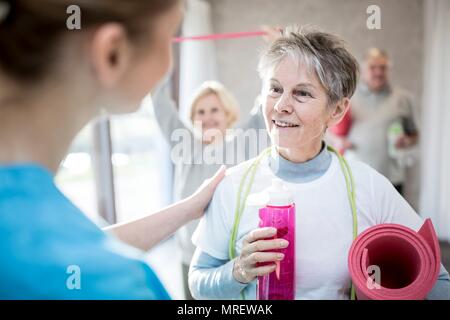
(42, 234)
(301, 172)
(441, 290)
(211, 278)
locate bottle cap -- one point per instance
(278, 194)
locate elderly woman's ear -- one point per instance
(339, 111)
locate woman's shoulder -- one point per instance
(366, 177)
(240, 169)
(236, 172)
(29, 193)
(361, 170)
(230, 183)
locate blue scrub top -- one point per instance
(50, 250)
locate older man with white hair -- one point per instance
(383, 121)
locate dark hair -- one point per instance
(31, 30)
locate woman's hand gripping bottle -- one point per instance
(279, 213)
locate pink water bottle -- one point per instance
(280, 214)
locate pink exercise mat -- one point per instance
(409, 262)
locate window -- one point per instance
(140, 180)
(75, 177)
(142, 169)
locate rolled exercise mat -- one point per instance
(408, 261)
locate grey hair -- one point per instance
(322, 53)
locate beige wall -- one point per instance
(401, 35)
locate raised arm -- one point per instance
(166, 113)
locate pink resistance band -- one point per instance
(217, 36)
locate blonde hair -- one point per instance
(228, 101)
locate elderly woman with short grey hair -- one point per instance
(308, 78)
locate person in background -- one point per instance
(382, 120)
(212, 111)
(53, 81)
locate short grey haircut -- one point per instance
(322, 53)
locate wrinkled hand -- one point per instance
(200, 199)
(255, 250)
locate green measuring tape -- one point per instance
(249, 175)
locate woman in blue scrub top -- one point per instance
(53, 81)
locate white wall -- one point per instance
(197, 58)
(401, 34)
(435, 197)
